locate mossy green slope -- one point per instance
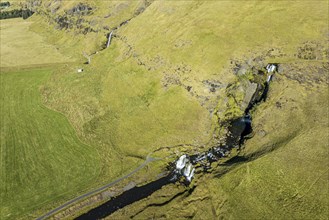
(177, 43)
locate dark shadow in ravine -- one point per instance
(234, 160)
(189, 191)
(126, 198)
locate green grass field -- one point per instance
(63, 132)
(42, 160)
(125, 116)
(21, 47)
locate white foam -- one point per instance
(181, 162)
(187, 170)
(189, 177)
(270, 68)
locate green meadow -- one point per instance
(64, 133)
(42, 159)
(91, 130)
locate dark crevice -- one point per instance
(234, 160)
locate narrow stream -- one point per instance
(239, 129)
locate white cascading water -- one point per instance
(181, 162)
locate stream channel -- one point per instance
(239, 129)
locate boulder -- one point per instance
(249, 94)
(243, 69)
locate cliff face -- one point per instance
(176, 70)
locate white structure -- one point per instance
(80, 70)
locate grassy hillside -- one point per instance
(117, 103)
(160, 83)
(113, 150)
(149, 88)
(185, 44)
(285, 171)
(205, 35)
(288, 173)
(189, 42)
(42, 159)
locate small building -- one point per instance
(80, 70)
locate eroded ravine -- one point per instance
(183, 169)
